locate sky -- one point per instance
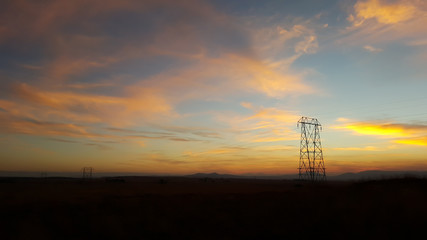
(179, 87)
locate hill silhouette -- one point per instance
(364, 175)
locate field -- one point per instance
(190, 208)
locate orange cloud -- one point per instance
(82, 78)
(258, 139)
(278, 41)
(91, 45)
(421, 141)
(235, 164)
(382, 21)
(278, 47)
(33, 127)
(270, 81)
(141, 143)
(264, 125)
(367, 148)
(230, 74)
(64, 113)
(390, 130)
(383, 12)
(402, 133)
(216, 151)
(276, 115)
(71, 55)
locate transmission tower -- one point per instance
(87, 172)
(311, 165)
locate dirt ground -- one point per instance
(186, 208)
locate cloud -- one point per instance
(309, 45)
(421, 141)
(63, 140)
(274, 40)
(210, 51)
(275, 148)
(226, 75)
(192, 162)
(99, 146)
(421, 42)
(247, 105)
(137, 104)
(263, 125)
(383, 21)
(412, 134)
(89, 85)
(372, 49)
(31, 67)
(102, 69)
(83, 115)
(34, 127)
(141, 143)
(80, 41)
(183, 139)
(382, 11)
(390, 130)
(216, 151)
(341, 119)
(367, 148)
(275, 115)
(386, 129)
(168, 133)
(260, 139)
(238, 152)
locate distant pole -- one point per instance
(87, 172)
(311, 165)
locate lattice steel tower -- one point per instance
(311, 165)
(87, 172)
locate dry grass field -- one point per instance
(189, 208)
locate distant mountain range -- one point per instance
(213, 175)
(364, 175)
(375, 174)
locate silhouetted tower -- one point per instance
(87, 172)
(311, 165)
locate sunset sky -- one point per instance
(179, 87)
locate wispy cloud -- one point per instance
(412, 134)
(372, 49)
(383, 12)
(383, 21)
(421, 141)
(69, 106)
(421, 42)
(216, 151)
(40, 128)
(74, 83)
(367, 148)
(87, 84)
(263, 125)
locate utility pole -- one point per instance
(311, 165)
